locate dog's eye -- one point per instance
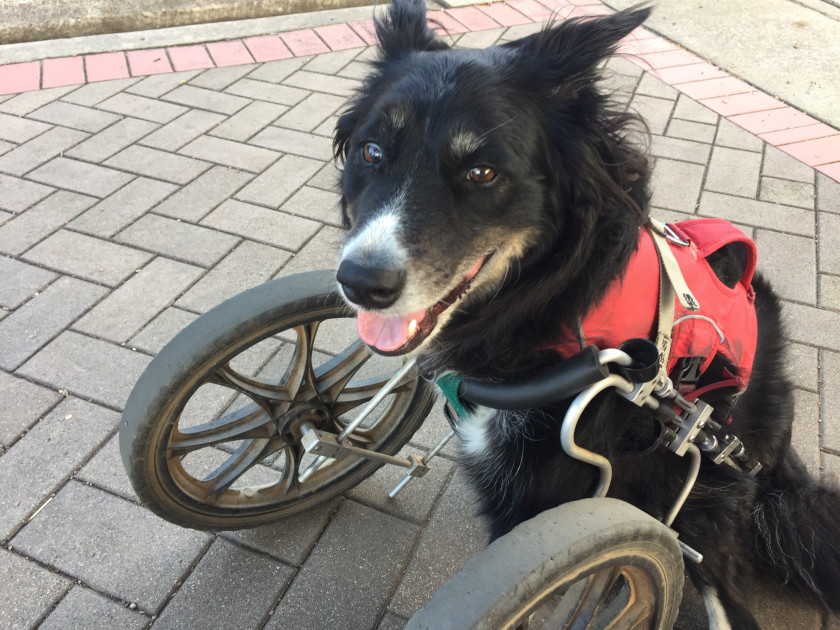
(482, 175)
(372, 153)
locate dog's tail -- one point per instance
(796, 521)
(796, 526)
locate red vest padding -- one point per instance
(725, 322)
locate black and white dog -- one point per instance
(491, 197)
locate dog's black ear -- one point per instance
(574, 47)
(405, 29)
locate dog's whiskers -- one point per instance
(487, 133)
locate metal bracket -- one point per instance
(320, 443)
(688, 427)
(730, 446)
(641, 392)
(419, 468)
(327, 445)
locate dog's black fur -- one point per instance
(561, 218)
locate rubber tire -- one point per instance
(556, 546)
(177, 371)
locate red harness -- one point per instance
(724, 322)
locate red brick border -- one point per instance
(794, 132)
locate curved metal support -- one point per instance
(693, 471)
(567, 430)
(614, 355)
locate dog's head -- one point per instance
(458, 164)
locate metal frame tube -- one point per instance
(390, 386)
(425, 459)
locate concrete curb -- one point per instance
(57, 19)
(178, 35)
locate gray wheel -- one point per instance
(595, 563)
(210, 435)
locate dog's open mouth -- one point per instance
(402, 333)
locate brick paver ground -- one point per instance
(130, 206)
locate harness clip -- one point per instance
(688, 372)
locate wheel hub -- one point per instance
(290, 423)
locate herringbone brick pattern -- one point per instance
(129, 207)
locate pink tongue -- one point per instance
(386, 332)
(389, 333)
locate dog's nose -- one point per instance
(370, 287)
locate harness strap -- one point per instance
(666, 293)
(669, 263)
(665, 321)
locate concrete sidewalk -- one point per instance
(130, 206)
(787, 49)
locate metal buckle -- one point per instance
(672, 236)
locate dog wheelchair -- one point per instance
(267, 405)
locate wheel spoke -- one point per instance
(294, 455)
(249, 422)
(267, 395)
(332, 376)
(264, 394)
(581, 602)
(631, 616)
(363, 390)
(632, 607)
(598, 602)
(299, 371)
(249, 453)
(596, 589)
(567, 609)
